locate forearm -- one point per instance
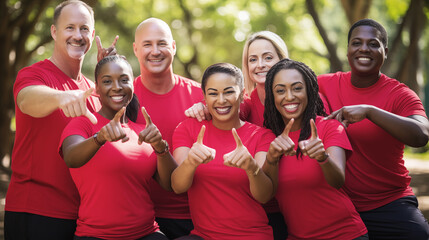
(165, 167)
(182, 177)
(261, 186)
(38, 101)
(271, 169)
(78, 154)
(412, 131)
(333, 167)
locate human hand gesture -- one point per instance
(282, 145)
(151, 134)
(240, 156)
(350, 114)
(198, 111)
(113, 131)
(104, 52)
(199, 153)
(73, 104)
(313, 147)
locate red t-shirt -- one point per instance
(222, 206)
(375, 173)
(166, 112)
(311, 207)
(41, 183)
(252, 110)
(113, 185)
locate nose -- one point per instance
(116, 85)
(77, 34)
(222, 98)
(289, 95)
(261, 63)
(155, 50)
(364, 47)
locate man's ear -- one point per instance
(54, 32)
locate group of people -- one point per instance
(271, 151)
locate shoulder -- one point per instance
(186, 81)
(332, 76)
(257, 131)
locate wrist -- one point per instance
(164, 150)
(254, 172)
(97, 141)
(324, 160)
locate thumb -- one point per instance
(288, 127)
(314, 134)
(146, 117)
(237, 138)
(201, 135)
(118, 115)
(88, 92)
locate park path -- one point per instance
(419, 171)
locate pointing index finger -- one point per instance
(118, 115)
(288, 127)
(98, 41)
(314, 134)
(201, 135)
(146, 117)
(237, 138)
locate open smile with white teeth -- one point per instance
(262, 74)
(117, 98)
(155, 60)
(364, 59)
(223, 110)
(291, 107)
(76, 44)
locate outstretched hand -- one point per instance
(198, 111)
(350, 114)
(199, 153)
(113, 131)
(73, 104)
(282, 145)
(104, 52)
(313, 147)
(240, 156)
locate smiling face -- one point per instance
(223, 97)
(262, 56)
(74, 31)
(290, 95)
(154, 47)
(366, 52)
(114, 84)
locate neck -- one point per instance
(110, 115)
(235, 122)
(158, 83)
(364, 81)
(71, 67)
(260, 89)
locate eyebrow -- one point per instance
(264, 53)
(283, 85)
(213, 89)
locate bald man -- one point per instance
(165, 96)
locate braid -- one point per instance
(272, 117)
